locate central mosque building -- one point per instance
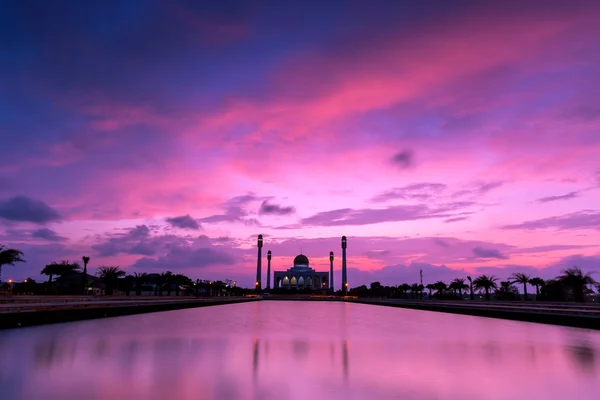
(301, 275)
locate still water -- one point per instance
(299, 350)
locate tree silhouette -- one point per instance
(507, 291)
(139, 279)
(9, 257)
(440, 287)
(85, 260)
(403, 288)
(537, 282)
(59, 269)
(575, 279)
(430, 287)
(486, 283)
(519, 277)
(109, 276)
(458, 284)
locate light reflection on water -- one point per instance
(299, 350)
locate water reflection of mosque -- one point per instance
(300, 349)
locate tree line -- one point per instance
(66, 277)
(572, 285)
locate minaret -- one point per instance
(269, 269)
(344, 276)
(258, 263)
(331, 271)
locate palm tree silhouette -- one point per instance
(430, 287)
(414, 288)
(577, 281)
(458, 284)
(486, 283)
(405, 287)
(522, 278)
(110, 275)
(537, 282)
(9, 257)
(139, 278)
(86, 260)
(440, 286)
(63, 268)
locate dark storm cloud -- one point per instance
(348, 216)
(184, 222)
(404, 159)
(267, 208)
(567, 196)
(21, 208)
(586, 219)
(480, 252)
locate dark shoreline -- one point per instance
(543, 317)
(10, 320)
(550, 314)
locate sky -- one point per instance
(451, 137)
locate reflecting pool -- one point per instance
(299, 350)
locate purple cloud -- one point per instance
(235, 210)
(403, 159)
(480, 252)
(586, 219)
(567, 196)
(455, 219)
(47, 234)
(184, 222)
(348, 216)
(416, 191)
(185, 257)
(479, 188)
(21, 208)
(274, 209)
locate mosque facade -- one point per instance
(300, 275)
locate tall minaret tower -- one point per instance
(269, 269)
(258, 263)
(331, 271)
(344, 276)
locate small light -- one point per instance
(25, 281)
(10, 281)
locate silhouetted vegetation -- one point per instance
(9, 257)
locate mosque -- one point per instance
(300, 275)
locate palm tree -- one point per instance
(577, 281)
(458, 284)
(440, 287)
(86, 260)
(139, 279)
(421, 288)
(486, 283)
(110, 275)
(522, 278)
(472, 295)
(430, 287)
(60, 269)
(9, 257)
(537, 282)
(168, 276)
(405, 287)
(414, 289)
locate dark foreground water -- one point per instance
(299, 350)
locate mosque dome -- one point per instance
(301, 260)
